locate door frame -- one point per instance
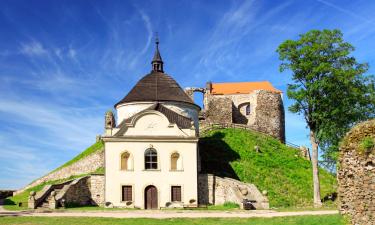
(145, 196)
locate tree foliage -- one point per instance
(330, 89)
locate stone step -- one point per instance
(44, 205)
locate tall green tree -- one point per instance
(329, 89)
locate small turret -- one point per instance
(157, 62)
(110, 122)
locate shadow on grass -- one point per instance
(216, 156)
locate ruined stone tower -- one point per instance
(256, 104)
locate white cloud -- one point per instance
(33, 48)
(148, 26)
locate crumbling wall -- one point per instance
(356, 174)
(266, 111)
(270, 116)
(219, 110)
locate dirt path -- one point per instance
(170, 214)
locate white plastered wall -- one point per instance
(162, 178)
(151, 129)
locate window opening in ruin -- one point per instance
(248, 110)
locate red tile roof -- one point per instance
(241, 87)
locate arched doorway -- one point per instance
(151, 197)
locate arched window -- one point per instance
(151, 159)
(174, 161)
(125, 161)
(248, 110)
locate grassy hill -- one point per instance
(11, 203)
(276, 168)
(230, 153)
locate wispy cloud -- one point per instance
(229, 38)
(347, 12)
(148, 26)
(33, 48)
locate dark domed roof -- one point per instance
(156, 86)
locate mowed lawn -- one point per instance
(305, 220)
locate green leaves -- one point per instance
(329, 86)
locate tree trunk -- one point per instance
(315, 170)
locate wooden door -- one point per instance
(151, 197)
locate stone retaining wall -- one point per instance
(97, 189)
(218, 190)
(356, 175)
(84, 166)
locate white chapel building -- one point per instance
(151, 155)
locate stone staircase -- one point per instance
(43, 199)
(45, 204)
(75, 191)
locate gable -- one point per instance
(150, 123)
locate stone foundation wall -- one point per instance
(218, 190)
(356, 175)
(78, 192)
(84, 166)
(97, 189)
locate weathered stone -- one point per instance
(84, 166)
(219, 109)
(269, 114)
(265, 111)
(218, 190)
(356, 178)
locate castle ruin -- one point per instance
(256, 104)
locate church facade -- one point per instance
(151, 155)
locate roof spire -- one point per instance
(157, 62)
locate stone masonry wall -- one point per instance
(356, 175)
(97, 189)
(78, 192)
(88, 190)
(219, 109)
(218, 190)
(266, 111)
(86, 165)
(270, 117)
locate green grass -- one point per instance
(98, 146)
(11, 203)
(306, 220)
(93, 208)
(276, 168)
(225, 206)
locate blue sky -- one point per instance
(64, 63)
